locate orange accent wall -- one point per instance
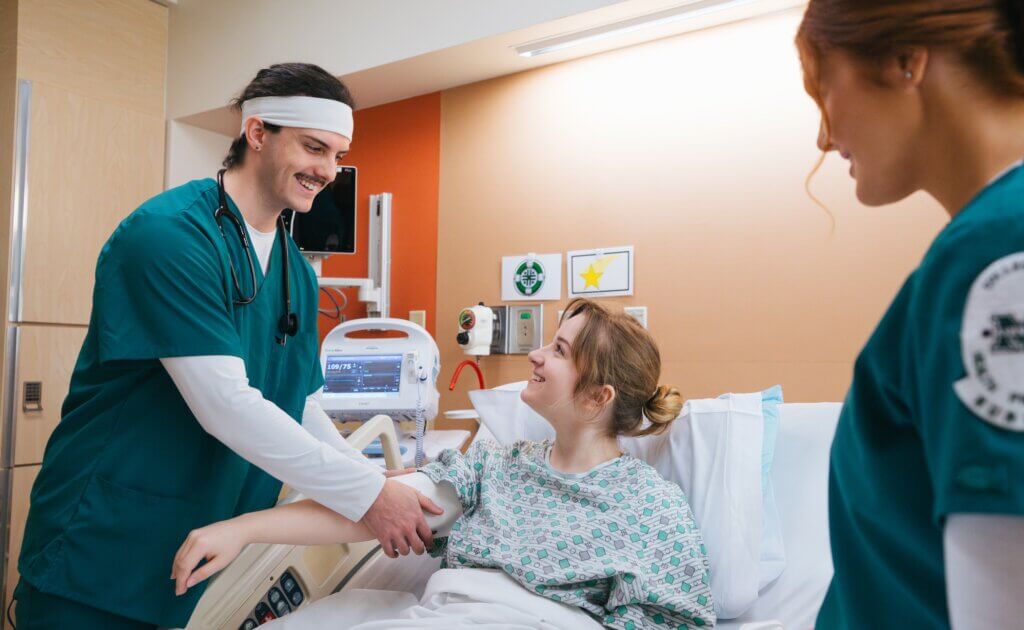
(397, 149)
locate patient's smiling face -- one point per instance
(551, 391)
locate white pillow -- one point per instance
(713, 451)
(505, 414)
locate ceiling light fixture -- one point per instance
(657, 18)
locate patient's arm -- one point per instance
(301, 523)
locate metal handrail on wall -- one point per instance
(19, 218)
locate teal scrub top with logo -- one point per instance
(128, 472)
(933, 424)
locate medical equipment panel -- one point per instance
(365, 376)
(282, 598)
(478, 329)
(516, 329)
(525, 328)
(498, 334)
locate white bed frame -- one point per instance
(235, 592)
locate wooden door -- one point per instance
(96, 138)
(24, 477)
(90, 164)
(46, 355)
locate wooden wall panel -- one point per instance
(24, 477)
(90, 164)
(112, 50)
(46, 354)
(96, 148)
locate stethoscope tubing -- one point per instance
(288, 325)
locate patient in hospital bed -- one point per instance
(595, 537)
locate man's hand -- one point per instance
(396, 519)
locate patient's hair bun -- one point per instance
(611, 349)
(661, 409)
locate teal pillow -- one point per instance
(773, 549)
(771, 398)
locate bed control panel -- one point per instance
(283, 597)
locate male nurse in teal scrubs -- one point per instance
(196, 392)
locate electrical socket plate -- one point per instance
(639, 313)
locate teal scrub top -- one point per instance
(128, 472)
(932, 424)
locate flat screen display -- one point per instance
(330, 225)
(369, 375)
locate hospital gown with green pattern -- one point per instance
(618, 541)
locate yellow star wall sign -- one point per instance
(600, 272)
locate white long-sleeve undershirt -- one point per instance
(311, 458)
(984, 556)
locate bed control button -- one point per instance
(248, 624)
(288, 582)
(296, 597)
(279, 602)
(264, 614)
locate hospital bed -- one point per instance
(265, 575)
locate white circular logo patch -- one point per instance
(992, 345)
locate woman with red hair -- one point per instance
(926, 488)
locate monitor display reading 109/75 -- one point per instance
(363, 375)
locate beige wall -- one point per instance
(192, 153)
(694, 149)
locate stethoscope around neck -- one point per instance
(288, 325)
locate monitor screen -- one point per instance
(330, 225)
(368, 375)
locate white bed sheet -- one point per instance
(454, 598)
(405, 573)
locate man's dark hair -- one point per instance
(285, 79)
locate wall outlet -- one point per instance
(639, 313)
(418, 317)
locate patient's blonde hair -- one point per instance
(613, 349)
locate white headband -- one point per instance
(301, 111)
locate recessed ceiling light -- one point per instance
(657, 18)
